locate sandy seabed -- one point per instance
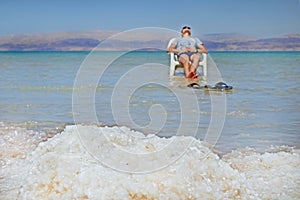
(118, 163)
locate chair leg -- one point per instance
(204, 69)
(172, 70)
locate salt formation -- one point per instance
(63, 168)
(15, 144)
(272, 175)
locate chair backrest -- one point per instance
(170, 42)
(173, 57)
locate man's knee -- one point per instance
(183, 59)
(196, 57)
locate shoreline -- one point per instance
(50, 129)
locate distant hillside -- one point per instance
(227, 37)
(85, 41)
(53, 41)
(236, 42)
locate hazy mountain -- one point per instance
(54, 41)
(237, 42)
(77, 41)
(227, 37)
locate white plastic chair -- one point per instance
(174, 63)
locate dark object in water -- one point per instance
(220, 86)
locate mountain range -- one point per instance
(107, 40)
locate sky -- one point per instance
(259, 18)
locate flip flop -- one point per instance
(194, 86)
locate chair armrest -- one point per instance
(204, 57)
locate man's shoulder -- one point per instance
(177, 39)
(197, 40)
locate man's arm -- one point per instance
(172, 49)
(202, 49)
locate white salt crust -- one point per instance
(133, 166)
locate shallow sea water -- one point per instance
(261, 128)
(262, 110)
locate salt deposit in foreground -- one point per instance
(61, 168)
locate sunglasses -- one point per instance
(186, 27)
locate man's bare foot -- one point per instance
(195, 76)
(190, 75)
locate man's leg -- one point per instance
(195, 58)
(185, 61)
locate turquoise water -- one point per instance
(263, 110)
(265, 104)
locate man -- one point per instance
(187, 49)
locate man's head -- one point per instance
(186, 30)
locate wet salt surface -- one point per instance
(35, 166)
